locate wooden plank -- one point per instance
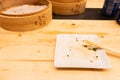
(45, 70)
(95, 3)
(40, 44)
(30, 55)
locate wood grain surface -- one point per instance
(30, 55)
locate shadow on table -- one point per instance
(89, 14)
(81, 69)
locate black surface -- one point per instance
(89, 14)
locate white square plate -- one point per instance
(70, 52)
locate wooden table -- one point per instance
(30, 55)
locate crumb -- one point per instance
(19, 35)
(68, 55)
(102, 36)
(94, 49)
(70, 49)
(73, 24)
(91, 61)
(83, 40)
(89, 48)
(76, 39)
(96, 57)
(85, 46)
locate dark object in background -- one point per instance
(118, 19)
(89, 14)
(110, 7)
(118, 16)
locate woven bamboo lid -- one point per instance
(25, 22)
(68, 8)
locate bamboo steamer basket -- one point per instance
(25, 22)
(68, 8)
(67, 1)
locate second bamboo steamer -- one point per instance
(73, 8)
